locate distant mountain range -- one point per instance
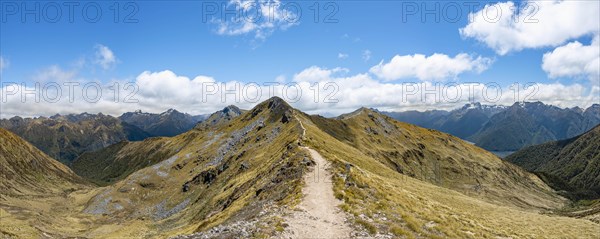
(224, 167)
(570, 165)
(65, 137)
(244, 174)
(502, 128)
(168, 123)
(110, 164)
(495, 128)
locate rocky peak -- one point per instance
(275, 106)
(231, 110)
(474, 105)
(276, 103)
(170, 111)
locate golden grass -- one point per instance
(408, 204)
(272, 174)
(378, 197)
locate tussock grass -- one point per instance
(417, 206)
(385, 172)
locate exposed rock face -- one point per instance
(220, 117)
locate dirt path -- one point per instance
(318, 215)
(301, 126)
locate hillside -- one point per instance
(117, 161)
(220, 117)
(33, 189)
(66, 137)
(223, 173)
(249, 177)
(572, 165)
(437, 158)
(168, 123)
(462, 122)
(489, 198)
(525, 124)
(500, 128)
(431, 119)
(28, 171)
(431, 168)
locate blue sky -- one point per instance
(172, 36)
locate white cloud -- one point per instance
(434, 67)
(342, 56)
(315, 73)
(54, 74)
(574, 60)
(361, 90)
(3, 63)
(154, 92)
(565, 95)
(258, 17)
(536, 24)
(366, 55)
(159, 91)
(104, 57)
(281, 79)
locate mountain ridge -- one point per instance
(28, 171)
(65, 137)
(495, 127)
(168, 123)
(570, 164)
(241, 177)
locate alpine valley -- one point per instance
(502, 128)
(274, 171)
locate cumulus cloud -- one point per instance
(315, 73)
(54, 74)
(342, 56)
(257, 17)
(434, 67)
(361, 90)
(104, 57)
(563, 95)
(574, 60)
(64, 92)
(327, 91)
(53, 90)
(506, 27)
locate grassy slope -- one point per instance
(252, 161)
(235, 169)
(114, 163)
(445, 161)
(65, 140)
(118, 161)
(32, 186)
(28, 171)
(572, 164)
(386, 201)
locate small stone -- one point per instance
(185, 187)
